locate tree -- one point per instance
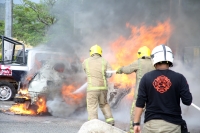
(2, 25)
(42, 11)
(31, 21)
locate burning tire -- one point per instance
(7, 91)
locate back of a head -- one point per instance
(161, 54)
(96, 49)
(143, 52)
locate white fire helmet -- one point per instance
(162, 53)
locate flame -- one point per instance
(41, 103)
(23, 91)
(21, 109)
(69, 96)
(38, 108)
(125, 49)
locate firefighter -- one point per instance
(95, 68)
(141, 66)
(161, 90)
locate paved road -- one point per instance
(10, 123)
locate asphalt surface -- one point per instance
(10, 123)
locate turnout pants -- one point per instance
(99, 98)
(132, 112)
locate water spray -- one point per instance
(111, 71)
(82, 88)
(198, 108)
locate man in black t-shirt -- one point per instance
(161, 91)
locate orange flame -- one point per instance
(41, 103)
(21, 109)
(69, 96)
(38, 108)
(23, 91)
(125, 49)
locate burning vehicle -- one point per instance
(51, 80)
(32, 76)
(49, 77)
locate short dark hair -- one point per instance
(165, 62)
(95, 54)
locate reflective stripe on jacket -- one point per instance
(140, 67)
(95, 68)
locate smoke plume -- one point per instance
(83, 23)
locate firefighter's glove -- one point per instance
(119, 71)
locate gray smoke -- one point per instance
(83, 23)
(58, 107)
(190, 113)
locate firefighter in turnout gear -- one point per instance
(141, 66)
(95, 68)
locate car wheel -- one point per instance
(7, 91)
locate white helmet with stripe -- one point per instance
(162, 53)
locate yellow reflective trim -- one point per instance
(131, 125)
(140, 68)
(131, 131)
(90, 81)
(103, 69)
(96, 88)
(109, 119)
(132, 111)
(87, 70)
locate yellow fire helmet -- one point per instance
(96, 49)
(143, 51)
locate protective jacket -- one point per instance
(140, 67)
(95, 68)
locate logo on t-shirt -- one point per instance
(162, 83)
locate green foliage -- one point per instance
(26, 27)
(42, 11)
(2, 27)
(31, 21)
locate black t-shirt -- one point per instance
(161, 91)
